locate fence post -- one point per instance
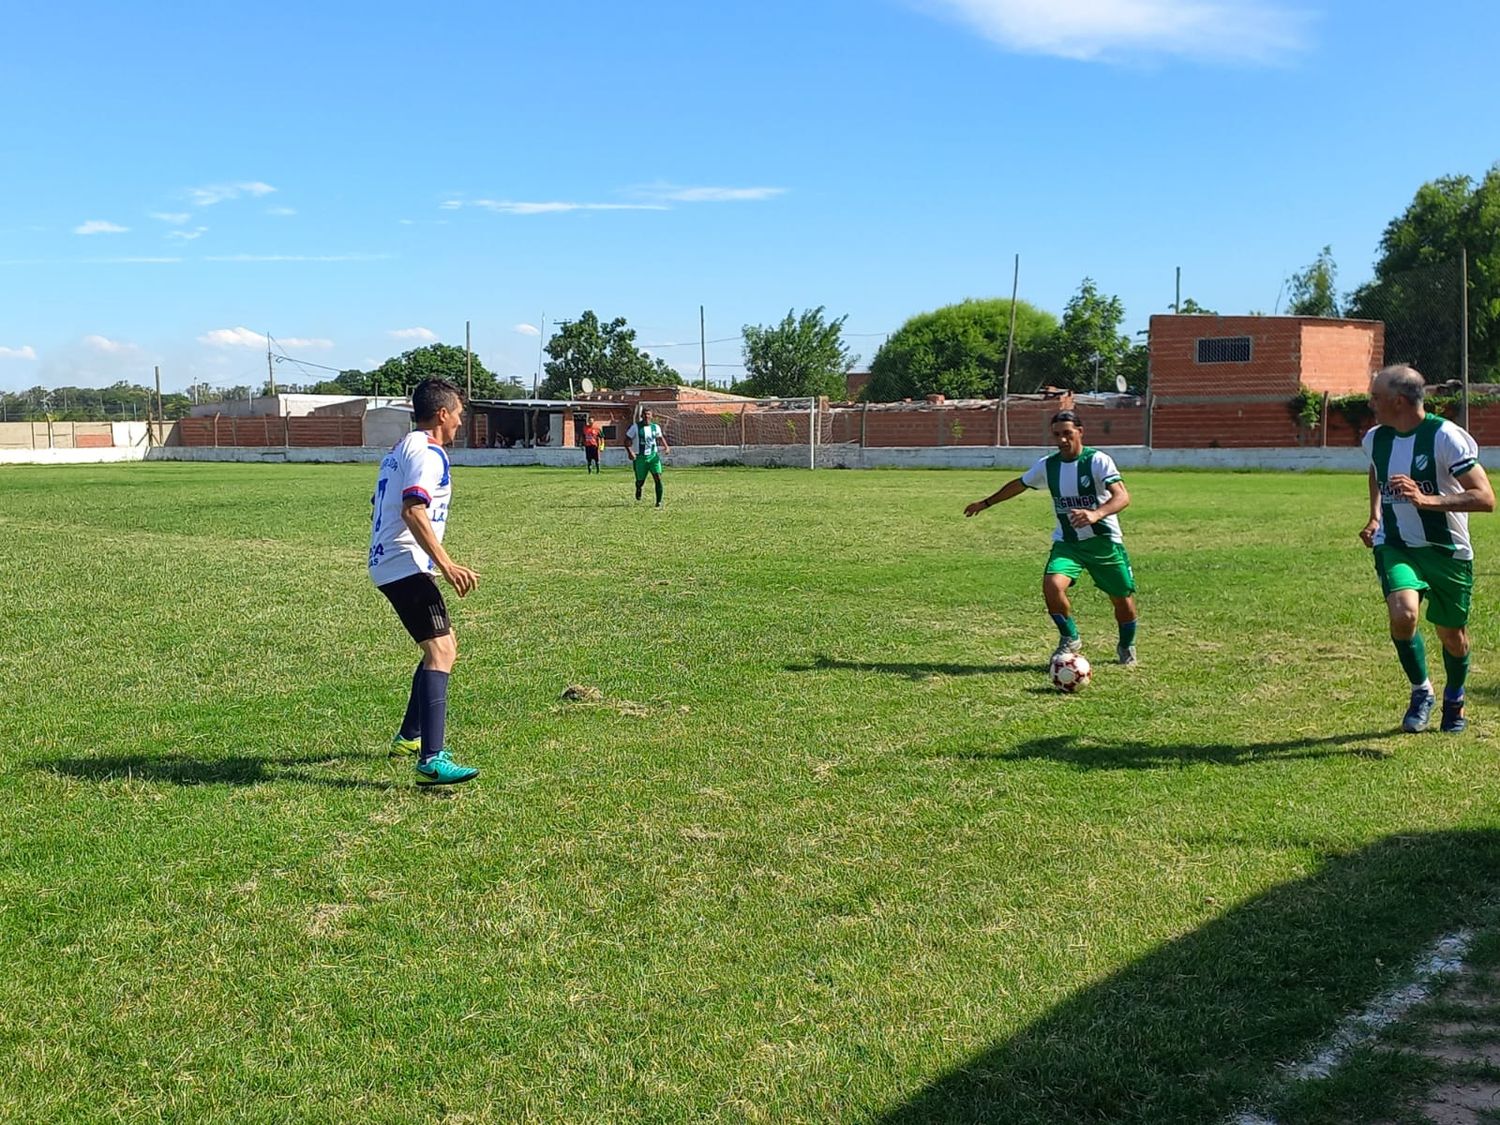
(234, 429)
(742, 429)
(864, 417)
(1323, 437)
(812, 434)
(216, 429)
(286, 431)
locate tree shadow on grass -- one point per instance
(913, 671)
(1195, 1029)
(182, 769)
(1088, 752)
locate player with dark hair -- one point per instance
(644, 444)
(411, 502)
(1087, 497)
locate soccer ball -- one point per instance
(1071, 671)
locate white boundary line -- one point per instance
(1443, 959)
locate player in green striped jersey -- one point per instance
(1425, 478)
(1087, 497)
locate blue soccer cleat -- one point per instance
(1453, 716)
(1419, 710)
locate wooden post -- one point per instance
(864, 419)
(216, 429)
(1323, 437)
(234, 429)
(742, 428)
(999, 418)
(286, 431)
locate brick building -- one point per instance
(1225, 381)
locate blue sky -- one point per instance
(361, 179)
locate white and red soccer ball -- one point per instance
(1071, 671)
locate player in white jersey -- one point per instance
(644, 445)
(1425, 478)
(411, 501)
(1087, 497)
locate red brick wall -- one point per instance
(1339, 357)
(319, 431)
(1217, 425)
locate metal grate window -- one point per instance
(1224, 349)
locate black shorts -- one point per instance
(591, 452)
(419, 603)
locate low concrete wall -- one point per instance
(764, 456)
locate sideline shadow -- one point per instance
(183, 769)
(912, 671)
(1195, 1029)
(1090, 753)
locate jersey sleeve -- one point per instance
(631, 434)
(1036, 476)
(421, 476)
(1368, 442)
(1460, 450)
(1105, 470)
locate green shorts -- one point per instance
(1105, 560)
(644, 465)
(1446, 582)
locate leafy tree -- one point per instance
(1314, 290)
(1088, 343)
(959, 351)
(586, 348)
(400, 374)
(1191, 307)
(803, 355)
(1416, 287)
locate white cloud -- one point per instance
(187, 235)
(245, 338)
(219, 193)
(281, 211)
(126, 261)
(106, 345)
(426, 335)
(451, 204)
(1244, 30)
(99, 226)
(528, 330)
(25, 351)
(513, 207)
(715, 194)
(177, 218)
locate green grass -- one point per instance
(829, 849)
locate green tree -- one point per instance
(1416, 289)
(1190, 307)
(1314, 290)
(587, 348)
(803, 355)
(1088, 347)
(959, 351)
(400, 374)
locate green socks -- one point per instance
(1127, 631)
(1457, 669)
(1413, 656)
(1066, 627)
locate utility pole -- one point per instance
(703, 347)
(468, 361)
(541, 350)
(1463, 361)
(1177, 300)
(270, 370)
(1010, 348)
(158, 401)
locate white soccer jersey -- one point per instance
(1434, 455)
(1081, 483)
(648, 435)
(416, 468)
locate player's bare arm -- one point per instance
(1119, 500)
(1367, 533)
(461, 578)
(1010, 489)
(1477, 495)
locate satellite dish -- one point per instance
(1120, 383)
(587, 384)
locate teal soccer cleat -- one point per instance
(1418, 711)
(440, 769)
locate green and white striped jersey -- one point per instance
(1434, 455)
(1082, 483)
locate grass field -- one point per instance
(828, 850)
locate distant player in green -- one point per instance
(644, 445)
(1425, 478)
(1087, 497)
